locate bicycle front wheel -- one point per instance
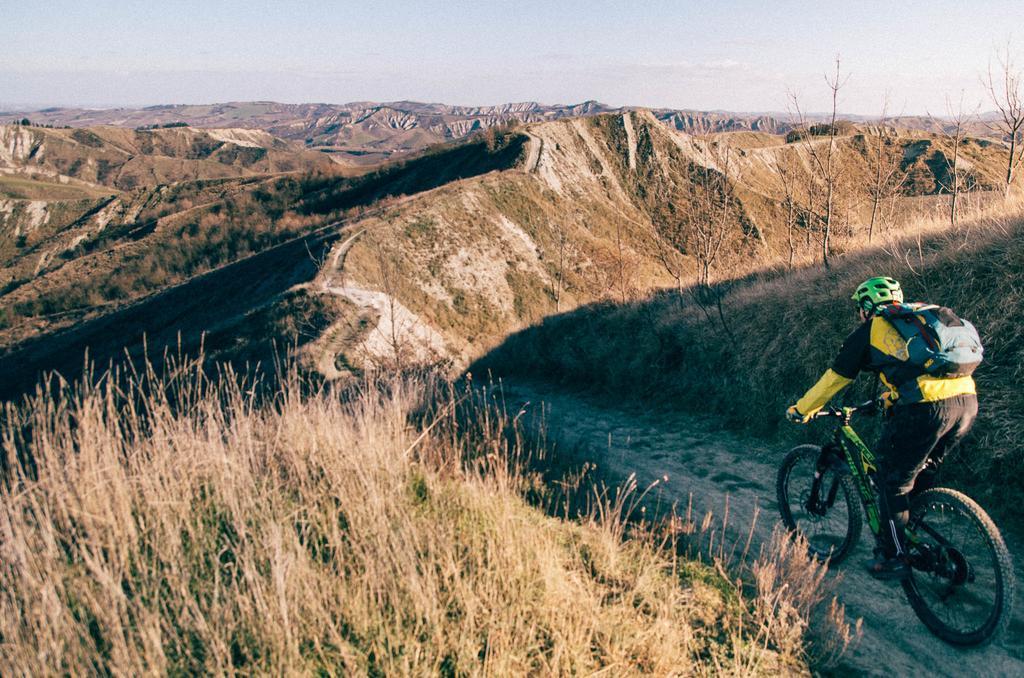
(962, 583)
(818, 504)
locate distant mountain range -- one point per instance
(363, 132)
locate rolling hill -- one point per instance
(56, 185)
(435, 258)
(121, 159)
(368, 133)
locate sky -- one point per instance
(737, 55)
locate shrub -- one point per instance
(795, 135)
(87, 138)
(825, 129)
(204, 530)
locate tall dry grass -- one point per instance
(778, 331)
(194, 524)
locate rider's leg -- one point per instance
(909, 437)
(913, 434)
(962, 410)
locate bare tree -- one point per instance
(884, 160)
(953, 131)
(388, 277)
(789, 203)
(1004, 89)
(670, 220)
(669, 256)
(695, 216)
(826, 162)
(670, 216)
(603, 270)
(712, 209)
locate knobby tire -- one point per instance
(995, 555)
(789, 489)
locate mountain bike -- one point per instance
(961, 580)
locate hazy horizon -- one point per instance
(738, 56)
(27, 109)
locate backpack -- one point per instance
(938, 342)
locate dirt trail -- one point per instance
(534, 147)
(396, 327)
(711, 465)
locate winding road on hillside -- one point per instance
(722, 471)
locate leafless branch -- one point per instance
(1009, 101)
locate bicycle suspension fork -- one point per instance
(815, 504)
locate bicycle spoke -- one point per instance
(962, 594)
(825, 529)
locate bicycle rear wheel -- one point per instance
(826, 513)
(962, 583)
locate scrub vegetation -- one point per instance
(187, 524)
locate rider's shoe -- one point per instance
(888, 569)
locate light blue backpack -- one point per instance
(938, 341)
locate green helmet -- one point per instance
(874, 292)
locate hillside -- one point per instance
(183, 526)
(361, 133)
(210, 257)
(67, 183)
(771, 343)
(124, 159)
(470, 243)
(593, 213)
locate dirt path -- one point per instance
(534, 147)
(397, 329)
(711, 465)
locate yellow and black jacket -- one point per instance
(876, 346)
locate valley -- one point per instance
(609, 253)
(473, 241)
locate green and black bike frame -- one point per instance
(846, 454)
(848, 450)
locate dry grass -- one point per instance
(188, 525)
(782, 329)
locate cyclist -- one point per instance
(928, 417)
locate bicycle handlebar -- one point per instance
(867, 406)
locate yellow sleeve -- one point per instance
(822, 392)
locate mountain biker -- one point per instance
(929, 415)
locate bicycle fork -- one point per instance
(815, 505)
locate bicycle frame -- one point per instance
(861, 461)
